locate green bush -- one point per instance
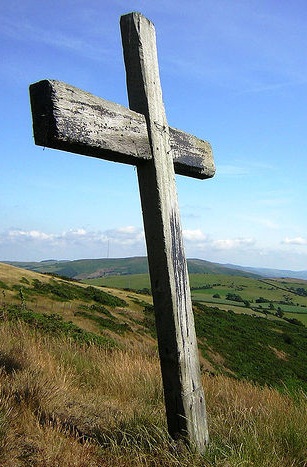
(55, 325)
(106, 323)
(66, 291)
(234, 297)
(149, 319)
(99, 296)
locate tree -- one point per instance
(279, 313)
(234, 297)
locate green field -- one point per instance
(299, 316)
(260, 297)
(127, 281)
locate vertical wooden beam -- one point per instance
(184, 396)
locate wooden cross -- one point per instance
(72, 120)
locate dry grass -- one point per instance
(256, 426)
(66, 405)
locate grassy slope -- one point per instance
(63, 404)
(91, 309)
(65, 401)
(263, 350)
(257, 349)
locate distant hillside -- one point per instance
(268, 272)
(94, 268)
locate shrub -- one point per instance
(234, 297)
(55, 325)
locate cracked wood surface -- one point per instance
(67, 118)
(183, 391)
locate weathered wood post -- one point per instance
(183, 392)
(67, 118)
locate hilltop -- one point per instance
(93, 268)
(80, 381)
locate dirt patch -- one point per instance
(279, 353)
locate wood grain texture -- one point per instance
(184, 396)
(67, 118)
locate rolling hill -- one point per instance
(93, 268)
(269, 272)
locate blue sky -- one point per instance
(233, 73)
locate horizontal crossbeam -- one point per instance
(67, 118)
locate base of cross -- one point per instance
(72, 120)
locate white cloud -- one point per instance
(125, 240)
(204, 246)
(32, 245)
(129, 229)
(194, 235)
(128, 235)
(78, 232)
(233, 243)
(22, 235)
(295, 241)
